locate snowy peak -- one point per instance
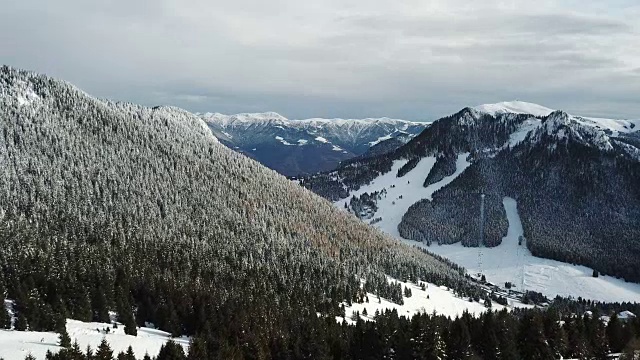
(270, 117)
(244, 118)
(31, 93)
(514, 107)
(560, 127)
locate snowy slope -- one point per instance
(515, 107)
(614, 126)
(15, 345)
(506, 262)
(434, 298)
(513, 263)
(409, 187)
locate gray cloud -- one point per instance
(347, 58)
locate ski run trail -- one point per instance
(508, 262)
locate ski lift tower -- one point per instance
(481, 237)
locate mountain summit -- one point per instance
(574, 180)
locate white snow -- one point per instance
(615, 126)
(302, 142)
(380, 139)
(410, 187)
(507, 262)
(336, 148)
(517, 107)
(283, 141)
(520, 107)
(227, 135)
(513, 263)
(322, 140)
(519, 135)
(626, 315)
(436, 299)
(273, 117)
(16, 345)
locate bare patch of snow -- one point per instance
(283, 141)
(381, 139)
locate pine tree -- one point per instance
(531, 340)
(555, 334)
(459, 342)
(5, 317)
(130, 355)
(171, 351)
(65, 340)
(197, 349)
(130, 327)
(489, 344)
(21, 322)
(615, 334)
(104, 351)
(89, 353)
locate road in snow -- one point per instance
(506, 262)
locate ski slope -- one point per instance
(16, 345)
(408, 190)
(507, 262)
(514, 263)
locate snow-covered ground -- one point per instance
(507, 262)
(436, 299)
(516, 107)
(16, 345)
(407, 190)
(513, 263)
(616, 126)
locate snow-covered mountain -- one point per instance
(115, 208)
(294, 147)
(574, 180)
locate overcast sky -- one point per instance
(336, 58)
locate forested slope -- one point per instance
(111, 206)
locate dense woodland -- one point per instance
(530, 334)
(109, 206)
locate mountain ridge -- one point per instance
(578, 168)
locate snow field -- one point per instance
(510, 262)
(16, 345)
(434, 299)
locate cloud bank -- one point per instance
(410, 59)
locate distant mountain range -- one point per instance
(298, 147)
(576, 181)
